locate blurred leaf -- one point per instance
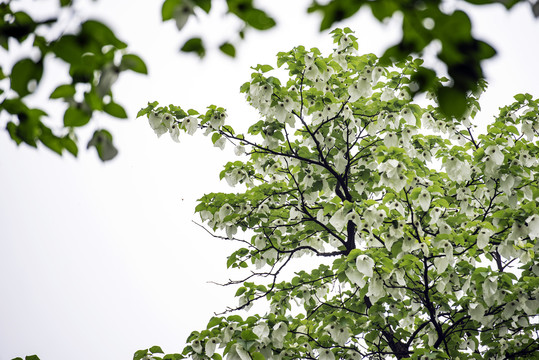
(76, 117)
(228, 49)
(101, 33)
(452, 101)
(134, 63)
(19, 29)
(63, 91)
(70, 145)
(68, 48)
(102, 141)
(50, 140)
(194, 45)
(167, 10)
(115, 110)
(258, 19)
(23, 72)
(204, 5)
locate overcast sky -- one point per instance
(100, 260)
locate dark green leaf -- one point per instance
(32, 357)
(23, 73)
(204, 5)
(258, 19)
(194, 45)
(452, 101)
(134, 63)
(76, 117)
(100, 33)
(228, 49)
(115, 110)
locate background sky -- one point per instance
(98, 260)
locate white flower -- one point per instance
(197, 346)
(156, 123)
(237, 352)
(175, 132)
(476, 311)
(424, 199)
(325, 354)
(376, 73)
(387, 94)
(210, 346)
(533, 226)
(355, 276)
(495, 154)
(224, 211)
(457, 170)
(279, 332)
(403, 95)
(365, 265)
(391, 140)
(408, 116)
(261, 330)
(427, 120)
(220, 143)
(190, 124)
(483, 238)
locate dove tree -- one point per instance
(420, 231)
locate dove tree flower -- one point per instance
(419, 245)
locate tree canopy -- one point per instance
(420, 232)
(94, 58)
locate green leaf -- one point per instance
(228, 49)
(22, 73)
(115, 110)
(32, 357)
(102, 141)
(140, 354)
(101, 33)
(194, 45)
(156, 349)
(258, 19)
(134, 63)
(204, 5)
(70, 145)
(248, 335)
(452, 101)
(63, 91)
(76, 117)
(167, 10)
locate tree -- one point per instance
(424, 22)
(419, 232)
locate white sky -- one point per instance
(100, 260)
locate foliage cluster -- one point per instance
(96, 57)
(93, 57)
(422, 229)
